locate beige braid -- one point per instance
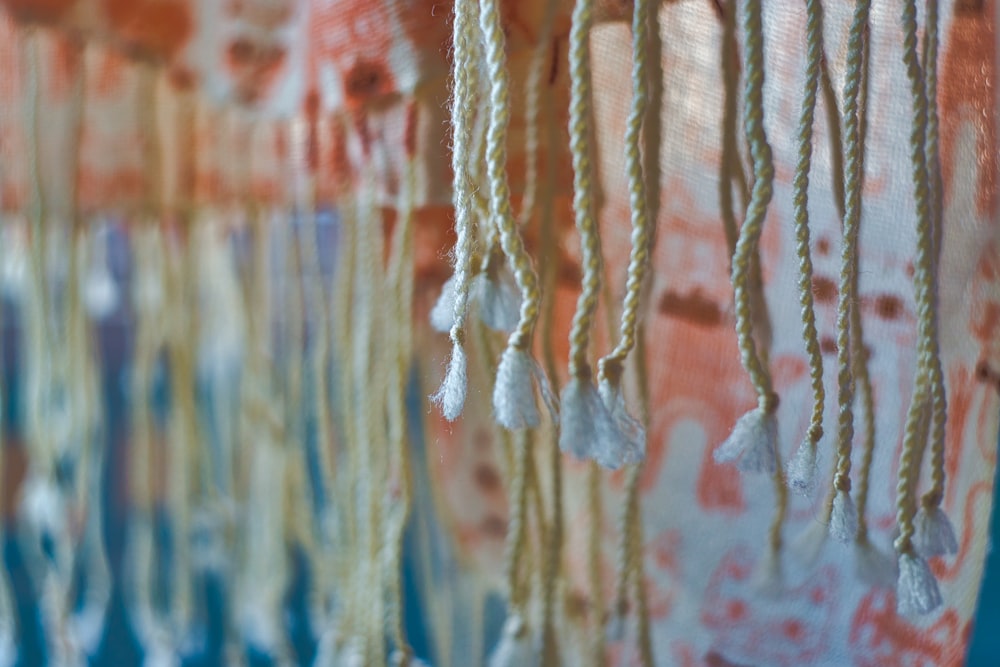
(923, 287)
(730, 144)
(540, 58)
(859, 353)
(849, 253)
(939, 401)
(814, 55)
(516, 529)
(496, 165)
(550, 269)
(581, 132)
(763, 167)
(611, 366)
(465, 81)
(400, 282)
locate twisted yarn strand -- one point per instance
(496, 164)
(849, 252)
(924, 264)
(580, 131)
(763, 189)
(939, 399)
(638, 266)
(858, 351)
(463, 106)
(814, 56)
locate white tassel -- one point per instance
(632, 434)
(752, 444)
(802, 469)
(917, 591)
(451, 395)
(808, 546)
(768, 579)
(499, 300)
(514, 648)
(443, 312)
(935, 535)
(587, 431)
(844, 519)
(873, 566)
(514, 403)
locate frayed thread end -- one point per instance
(752, 443)
(514, 404)
(844, 518)
(443, 312)
(631, 432)
(802, 469)
(917, 591)
(935, 535)
(586, 429)
(451, 395)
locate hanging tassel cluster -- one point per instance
(753, 444)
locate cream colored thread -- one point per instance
(581, 132)
(924, 263)
(401, 283)
(849, 253)
(730, 145)
(496, 171)
(540, 57)
(516, 530)
(652, 132)
(747, 245)
(550, 270)
(610, 367)
(595, 508)
(858, 350)
(463, 106)
(939, 401)
(814, 54)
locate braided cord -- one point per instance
(814, 56)
(496, 168)
(763, 188)
(400, 281)
(924, 263)
(858, 350)
(939, 399)
(465, 81)
(580, 131)
(849, 252)
(533, 87)
(638, 267)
